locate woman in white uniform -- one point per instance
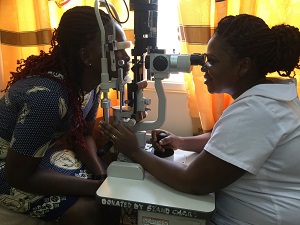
(251, 157)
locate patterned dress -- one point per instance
(34, 114)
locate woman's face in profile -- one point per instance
(95, 49)
(221, 69)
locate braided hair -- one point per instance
(77, 27)
(271, 50)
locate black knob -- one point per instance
(168, 152)
(160, 63)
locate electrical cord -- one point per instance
(115, 18)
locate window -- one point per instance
(167, 32)
(167, 26)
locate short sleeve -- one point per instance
(246, 134)
(41, 111)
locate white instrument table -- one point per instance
(153, 196)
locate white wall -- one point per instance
(178, 120)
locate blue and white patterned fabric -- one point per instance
(34, 114)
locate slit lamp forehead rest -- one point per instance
(118, 45)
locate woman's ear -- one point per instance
(85, 56)
(245, 66)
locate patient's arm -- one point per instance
(23, 172)
(89, 157)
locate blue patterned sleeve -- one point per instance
(40, 114)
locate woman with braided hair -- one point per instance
(49, 166)
(251, 157)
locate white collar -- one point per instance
(282, 90)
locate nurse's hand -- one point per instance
(171, 141)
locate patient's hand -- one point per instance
(123, 138)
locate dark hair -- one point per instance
(271, 50)
(77, 27)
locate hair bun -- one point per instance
(288, 46)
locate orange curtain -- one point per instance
(197, 22)
(21, 33)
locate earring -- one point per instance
(90, 64)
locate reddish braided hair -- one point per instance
(77, 27)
